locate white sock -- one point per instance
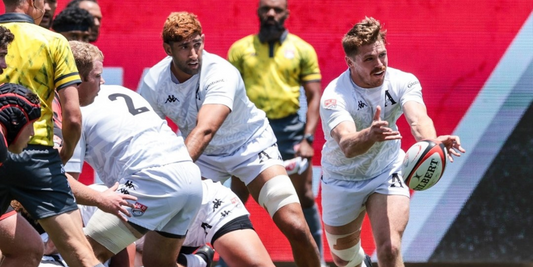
(195, 261)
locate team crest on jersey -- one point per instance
(330, 103)
(138, 209)
(235, 201)
(289, 54)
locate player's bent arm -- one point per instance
(210, 118)
(422, 128)
(351, 141)
(84, 194)
(421, 124)
(108, 201)
(70, 108)
(312, 93)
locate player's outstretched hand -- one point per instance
(379, 130)
(453, 145)
(115, 203)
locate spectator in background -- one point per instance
(93, 8)
(74, 23)
(50, 7)
(274, 64)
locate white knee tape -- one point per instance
(353, 255)
(276, 193)
(109, 231)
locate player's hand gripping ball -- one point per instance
(424, 164)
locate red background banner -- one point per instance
(451, 46)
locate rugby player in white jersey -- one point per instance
(225, 134)
(126, 142)
(361, 159)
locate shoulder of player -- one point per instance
(298, 42)
(244, 41)
(105, 93)
(337, 87)
(340, 82)
(401, 78)
(160, 72)
(215, 64)
(396, 73)
(161, 65)
(37, 34)
(111, 88)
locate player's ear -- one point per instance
(349, 61)
(167, 48)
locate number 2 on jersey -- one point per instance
(131, 108)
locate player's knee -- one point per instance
(35, 253)
(307, 200)
(30, 256)
(292, 227)
(388, 251)
(345, 249)
(277, 193)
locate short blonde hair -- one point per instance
(180, 26)
(368, 31)
(84, 55)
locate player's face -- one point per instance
(186, 56)
(50, 7)
(369, 65)
(90, 86)
(3, 53)
(272, 15)
(82, 36)
(38, 11)
(21, 141)
(94, 9)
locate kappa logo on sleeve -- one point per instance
(330, 103)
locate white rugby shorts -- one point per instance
(342, 200)
(219, 206)
(246, 163)
(168, 197)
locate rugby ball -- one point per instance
(424, 164)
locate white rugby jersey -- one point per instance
(121, 135)
(342, 100)
(218, 82)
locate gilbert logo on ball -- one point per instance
(424, 164)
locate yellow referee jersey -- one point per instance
(274, 72)
(42, 61)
